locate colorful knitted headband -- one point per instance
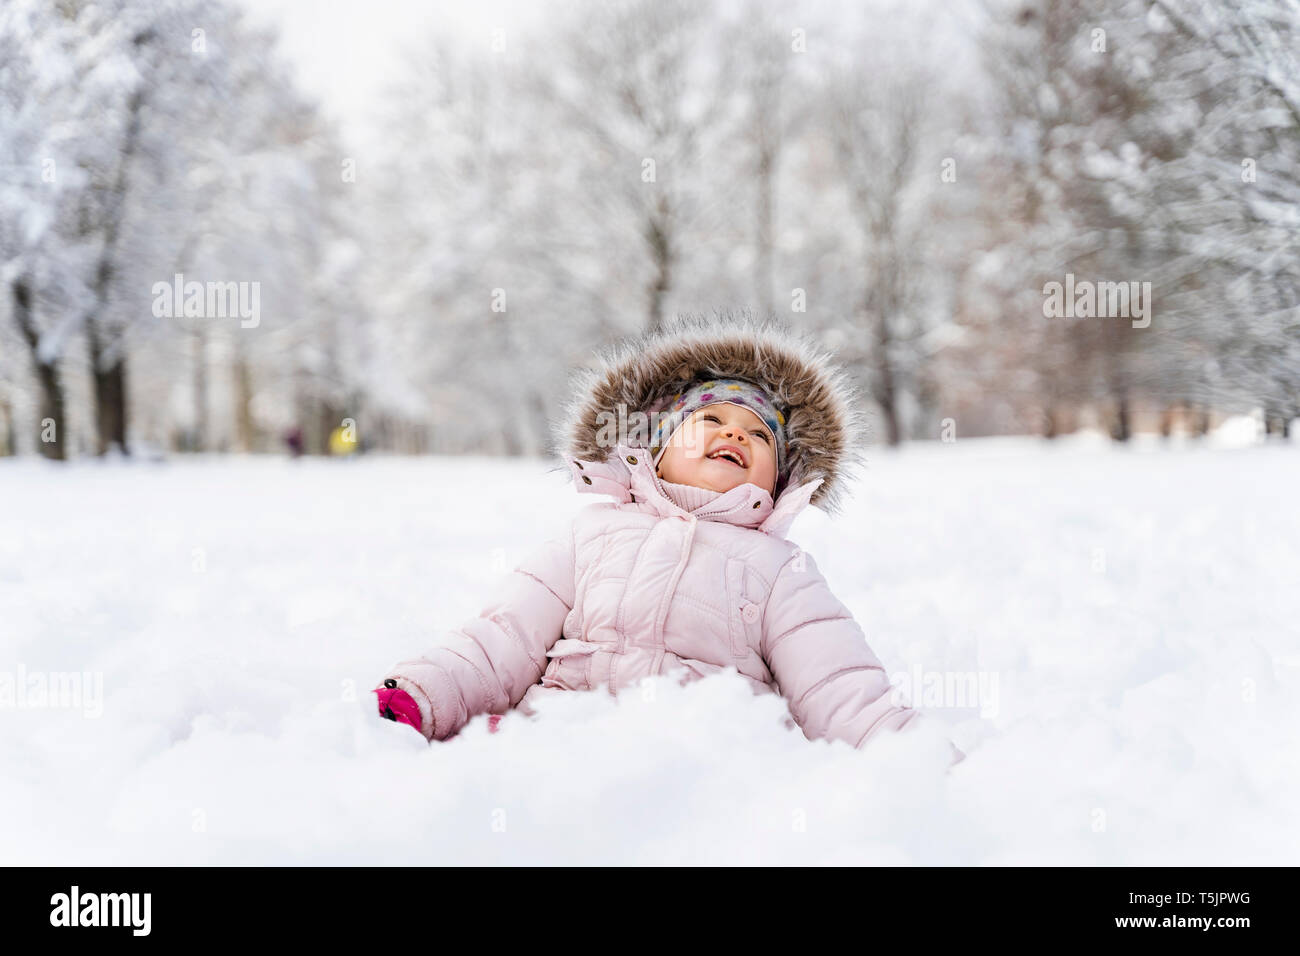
(737, 392)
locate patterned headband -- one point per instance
(733, 390)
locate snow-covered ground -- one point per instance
(1129, 617)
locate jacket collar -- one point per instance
(628, 476)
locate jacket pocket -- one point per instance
(744, 617)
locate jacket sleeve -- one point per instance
(835, 685)
(488, 664)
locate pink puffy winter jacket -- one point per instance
(639, 586)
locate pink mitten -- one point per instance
(398, 705)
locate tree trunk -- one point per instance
(7, 423)
(1051, 428)
(245, 438)
(110, 395)
(661, 252)
(1121, 425)
(1201, 422)
(1167, 420)
(329, 417)
(540, 427)
(893, 433)
(110, 382)
(766, 215)
(110, 407)
(884, 390)
(52, 430)
(200, 442)
(50, 425)
(1277, 424)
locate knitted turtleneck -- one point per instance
(688, 497)
(694, 500)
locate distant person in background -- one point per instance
(293, 439)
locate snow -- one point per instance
(1134, 609)
(1239, 431)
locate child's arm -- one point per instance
(835, 685)
(489, 663)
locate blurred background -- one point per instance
(285, 227)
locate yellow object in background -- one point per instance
(342, 441)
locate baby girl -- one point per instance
(687, 569)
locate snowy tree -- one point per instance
(156, 139)
(888, 118)
(640, 88)
(470, 281)
(38, 61)
(1231, 195)
(562, 201)
(1069, 118)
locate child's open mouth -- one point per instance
(729, 453)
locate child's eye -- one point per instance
(713, 418)
(763, 435)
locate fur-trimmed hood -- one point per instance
(824, 421)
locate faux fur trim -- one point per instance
(825, 424)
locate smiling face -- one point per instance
(719, 447)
